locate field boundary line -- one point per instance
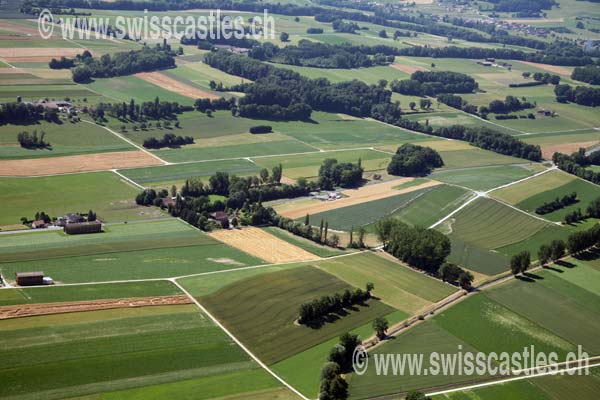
(128, 141)
(128, 179)
(237, 341)
(465, 204)
(553, 168)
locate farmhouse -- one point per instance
(40, 223)
(167, 201)
(29, 278)
(83, 227)
(221, 217)
(71, 218)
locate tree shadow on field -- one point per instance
(533, 276)
(525, 278)
(566, 264)
(590, 255)
(334, 316)
(548, 267)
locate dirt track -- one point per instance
(262, 244)
(29, 310)
(172, 85)
(80, 163)
(357, 196)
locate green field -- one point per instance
(556, 309)
(166, 175)
(399, 286)
(371, 75)
(586, 193)
(86, 292)
(475, 158)
(367, 213)
(522, 191)
(104, 192)
(307, 165)
(489, 224)
(97, 351)
(422, 339)
(66, 139)
(135, 251)
(496, 328)
(261, 310)
(246, 384)
(303, 369)
(494, 176)
(125, 88)
(477, 258)
(432, 205)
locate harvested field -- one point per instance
(409, 69)
(565, 148)
(40, 54)
(262, 244)
(172, 85)
(81, 163)
(29, 310)
(357, 196)
(550, 68)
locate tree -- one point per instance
(519, 263)
(351, 239)
(361, 236)
(412, 105)
(557, 248)
(91, 216)
(264, 175)
(277, 173)
(370, 287)
(415, 395)
(173, 191)
(450, 272)
(465, 280)
(334, 241)
(307, 220)
(544, 254)
(383, 34)
(380, 326)
(284, 37)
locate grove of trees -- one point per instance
(414, 160)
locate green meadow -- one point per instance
(106, 193)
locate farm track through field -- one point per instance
(29, 310)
